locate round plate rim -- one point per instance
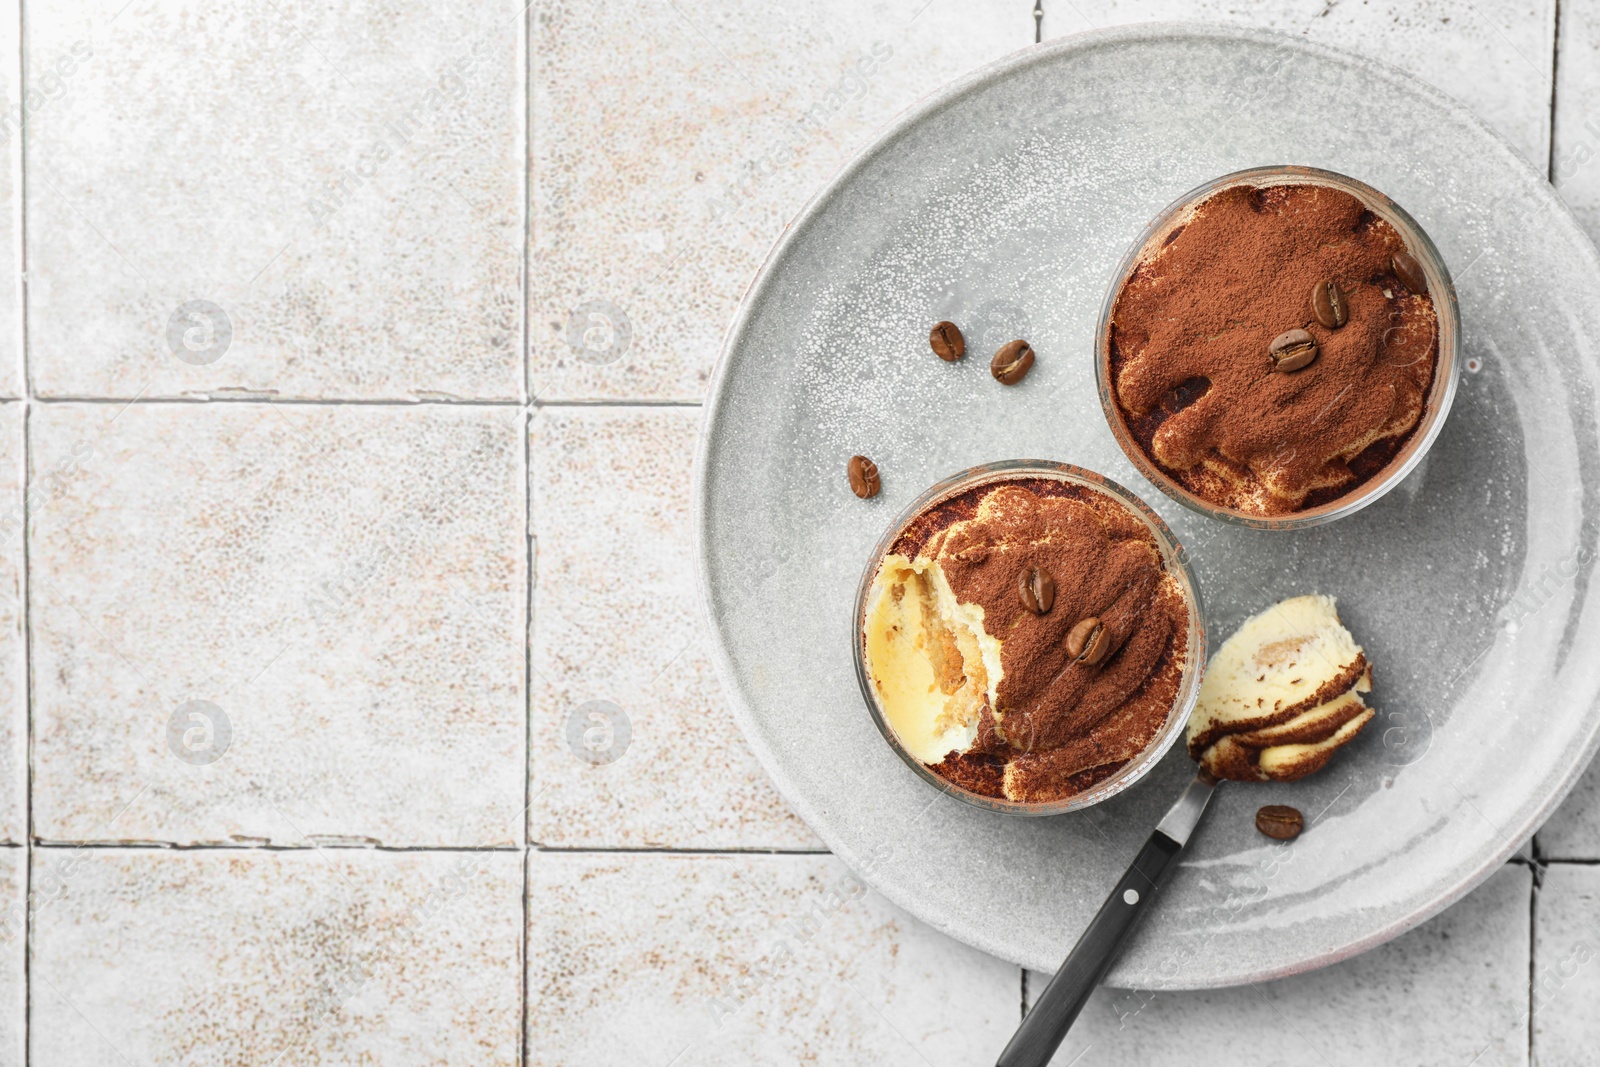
(1441, 897)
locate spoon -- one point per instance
(1041, 1032)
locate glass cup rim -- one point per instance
(1441, 393)
(1173, 558)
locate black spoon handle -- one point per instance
(1037, 1039)
(1040, 1034)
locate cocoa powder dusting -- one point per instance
(1061, 725)
(1189, 349)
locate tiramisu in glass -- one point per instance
(1279, 347)
(1029, 637)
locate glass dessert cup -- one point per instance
(1440, 394)
(1173, 561)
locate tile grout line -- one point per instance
(528, 564)
(1555, 70)
(282, 401)
(389, 402)
(523, 938)
(1574, 861)
(1533, 937)
(317, 846)
(527, 729)
(525, 64)
(619, 403)
(526, 849)
(531, 848)
(22, 579)
(27, 704)
(671, 850)
(525, 72)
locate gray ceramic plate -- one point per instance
(1004, 203)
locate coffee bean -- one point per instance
(946, 341)
(1328, 304)
(1409, 271)
(1292, 350)
(1036, 589)
(1089, 641)
(864, 481)
(1280, 821)
(1012, 363)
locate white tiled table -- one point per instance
(289, 766)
